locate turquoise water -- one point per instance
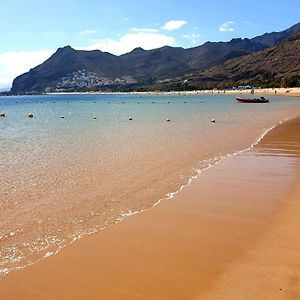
(64, 178)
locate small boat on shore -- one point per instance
(252, 100)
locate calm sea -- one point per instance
(64, 178)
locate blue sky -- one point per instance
(32, 30)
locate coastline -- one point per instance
(295, 92)
(175, 251)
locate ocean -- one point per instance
(86, 162)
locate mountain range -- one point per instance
(275, 66)
(206, 65)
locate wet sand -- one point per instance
(232, 234)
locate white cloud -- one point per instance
(87, 32)
(13, 64)
(174, 24)
(144, 30)
(227, 26)
(192, 37)
(129, 41)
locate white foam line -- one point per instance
(212, 162)
(75, 237)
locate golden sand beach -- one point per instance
(232, 234)
(266, 91)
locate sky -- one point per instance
(32, 30)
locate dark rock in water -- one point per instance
(30, 115)
(2, 114)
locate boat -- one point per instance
(252, 100)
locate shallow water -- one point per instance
(64, 178)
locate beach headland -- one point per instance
(232, 234)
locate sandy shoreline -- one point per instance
(218, 239)
(268, 91)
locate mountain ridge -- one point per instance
(275, 66)
(69, 69)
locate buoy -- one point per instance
(30, 115)
(213, 120)
(130, 119)
(62, 117)
(2, 114)
(168, 120)
(94, 117)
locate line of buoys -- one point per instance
(30, 115)
(138, 102)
